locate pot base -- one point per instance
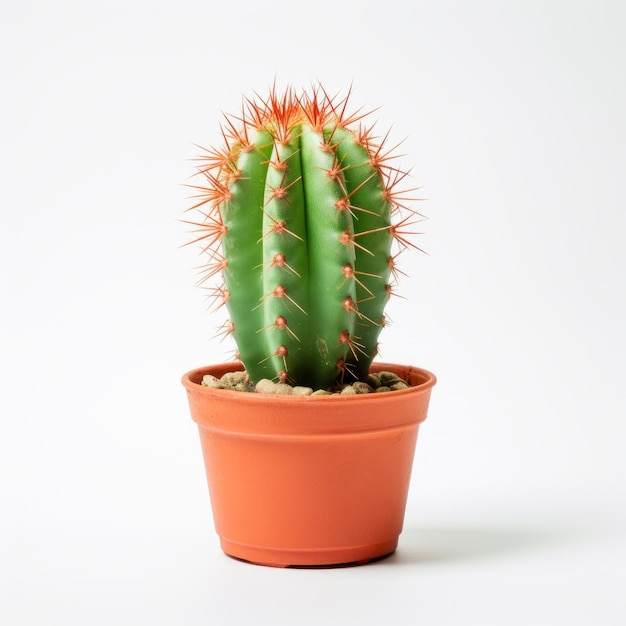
(333, 557)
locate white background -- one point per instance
(514, 119)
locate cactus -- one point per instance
(300, 209)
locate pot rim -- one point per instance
(261, 415)
(417, 377)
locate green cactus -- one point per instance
(298, 215)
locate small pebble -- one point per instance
(283, 389)
(243, 386)
(373, 380)
(399, 385)
(361, 387)
(302, 391)
(389, 378)
(269, 386)
(208, 380)
(233, 379)
(265, 386)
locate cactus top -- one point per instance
(302, 220)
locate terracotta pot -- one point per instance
(308, 481)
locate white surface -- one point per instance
(514, 117)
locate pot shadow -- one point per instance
(447, 545)
(423, 546)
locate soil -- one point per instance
(380, 382)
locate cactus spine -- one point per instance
(297, 216)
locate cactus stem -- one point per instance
(304, 220)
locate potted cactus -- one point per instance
(301, 220)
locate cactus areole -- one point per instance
(301, 223)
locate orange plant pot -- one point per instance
(308, 480)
